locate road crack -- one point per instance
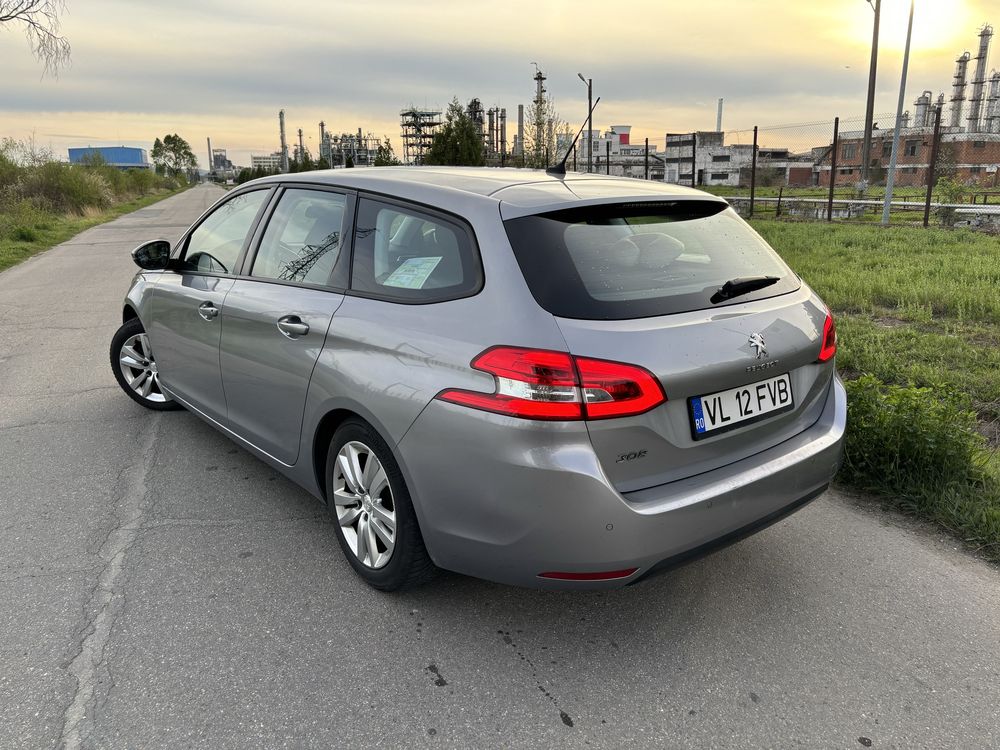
(107, 598)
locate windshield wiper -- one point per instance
(745, 285)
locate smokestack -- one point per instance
(503, 132)
(519, 148)
(302, 149)
(979, 82)
(958, 90)
(284, 143)
(491, 133)
(718, 118)
(993, 105)
(211, 164)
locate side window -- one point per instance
(408, 255)
(303, 237)
(214, 246)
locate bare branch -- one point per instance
(40, 20)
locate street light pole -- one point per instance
(891, 177)
(866, 147)
(590, 122)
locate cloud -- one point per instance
(224, 68)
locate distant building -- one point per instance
(357, 148)
(963, 156)
(267, 162)
(220, 161)
(614, 145)
(120, 157)
(705, 157)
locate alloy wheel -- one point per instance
(364, 503)
(138, 367)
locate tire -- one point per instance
(135, 369)
(369, 502)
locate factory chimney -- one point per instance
(958, 90)
(211, 163)
(503, 134)
(284, 143)
(718, 118)
(979, 82)
(519, 141)
(302, 149)
(993, 105)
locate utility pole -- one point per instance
(866, 146)
(589, 83)
(891, 177)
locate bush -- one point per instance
(911, 441)
(21, 221)
(920, 449)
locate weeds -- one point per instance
(41, 198)
(917, 315)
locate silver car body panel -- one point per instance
(499, 497)
(265, 372)
(186, 344)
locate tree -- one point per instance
(543, 122)
(459, 142)
(385, 156)
(40, 19)
(173, 155)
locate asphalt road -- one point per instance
(159, 587)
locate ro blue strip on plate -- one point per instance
(699, 417)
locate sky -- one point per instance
(223, 68)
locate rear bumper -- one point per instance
(505, 499)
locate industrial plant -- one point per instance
(965, 128)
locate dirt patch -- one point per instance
(887, 321)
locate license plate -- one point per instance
(727, 410)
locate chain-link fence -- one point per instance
(944, 174)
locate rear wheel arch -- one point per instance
(128, 313)
(321, 443)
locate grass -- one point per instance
(30, 235)
(918, 314)
(44, 201)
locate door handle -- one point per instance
(291, 326)
(208, 311)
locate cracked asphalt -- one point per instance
(159, 587)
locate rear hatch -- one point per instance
(645, 283)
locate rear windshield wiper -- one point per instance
(745, 285)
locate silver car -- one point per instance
(548, 381)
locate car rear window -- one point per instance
(638, 260)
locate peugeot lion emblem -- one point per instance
(756, 340)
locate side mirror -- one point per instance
(152, 256)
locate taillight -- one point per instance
(829, 347)
(613, 389)
(542, 384)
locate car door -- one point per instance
(184, 326)
(277, 313)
